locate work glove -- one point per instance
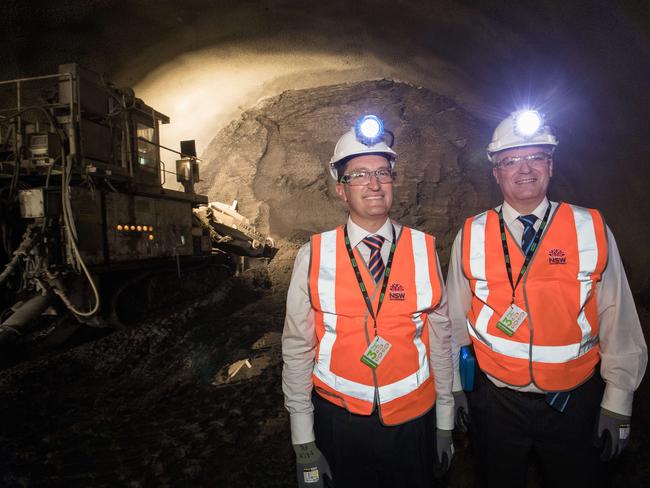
(612, 434)
(312, 469)
(461, 411)
(444, 451)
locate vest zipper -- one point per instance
(523, 290)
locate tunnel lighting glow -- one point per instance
(119, 227)
(151, 237)
(133, 227)
(369, 129)
(139, 228)
(528, 123)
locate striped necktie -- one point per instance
(558, 399)
(529, 231)
(375, 263)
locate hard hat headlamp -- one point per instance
(521, 129)
(528, 123)
(368, 136)
(369, 130)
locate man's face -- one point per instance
(525, 182)
(371, 202)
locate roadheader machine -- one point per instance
(88, 227)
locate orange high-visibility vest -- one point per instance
(554, 346)
(403, 382)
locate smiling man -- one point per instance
(367, 341)
(538, 289)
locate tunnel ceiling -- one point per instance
(209, 63)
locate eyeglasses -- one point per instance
(536, 159)
(363, 177)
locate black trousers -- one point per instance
(364, 453)
(510, 427)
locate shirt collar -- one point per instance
(510, 214)
(357, 233)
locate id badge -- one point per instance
(376, 352)
(511, 320)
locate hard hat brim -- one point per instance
(335, 166)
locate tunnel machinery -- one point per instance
(88, 225)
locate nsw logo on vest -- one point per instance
(396, 292)
(556, 256)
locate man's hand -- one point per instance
(612, 434)
(444, 451)
(312, 468)
(461, 411)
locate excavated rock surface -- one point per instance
(273, 160)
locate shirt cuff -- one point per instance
(302, 428)
(444, 416)
(617, 400)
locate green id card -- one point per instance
(511, 320)
(376, 352)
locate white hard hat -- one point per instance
(352, 144)
(520, 129)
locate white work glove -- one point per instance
(612, 434)
(312, 469)
(444, 451)
(462, 417)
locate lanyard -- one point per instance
(362, 287)
(529, 254)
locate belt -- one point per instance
(322, 402)
(529, 394)
(526, 394)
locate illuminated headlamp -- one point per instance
(528, 123)
(369, 130)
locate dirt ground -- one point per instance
(173, 402)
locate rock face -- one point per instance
(273, 160)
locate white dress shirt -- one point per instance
(299, 340)
(623, 351)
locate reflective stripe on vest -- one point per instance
(588, 258)
(326, 294)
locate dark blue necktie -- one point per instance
(375, 263)
(529, 231)
(557, 399)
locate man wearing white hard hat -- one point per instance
(539, 300)
(367, 341)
